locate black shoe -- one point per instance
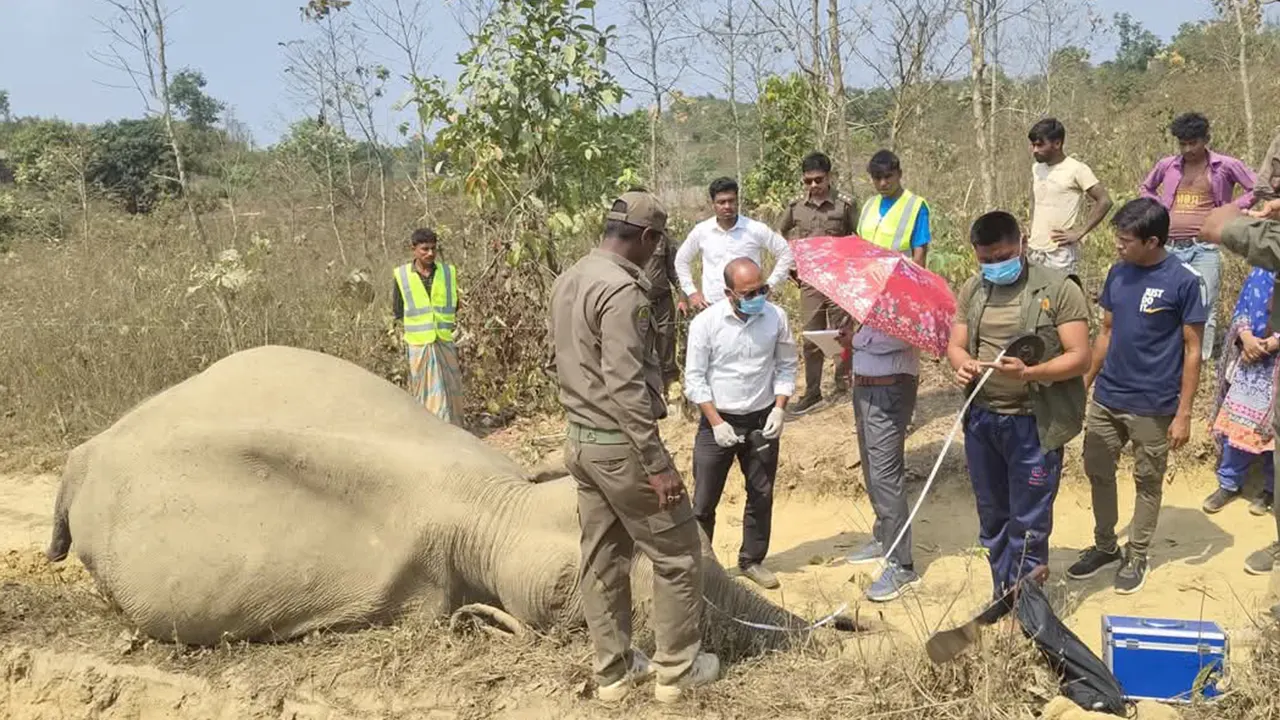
(1091, 561)
(1219, 500)
(806, 404)
(1261, 505)
(1132, 575)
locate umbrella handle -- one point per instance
(884, 561)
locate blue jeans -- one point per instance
(1206, 260)
(1235, 466)
(1015, 484)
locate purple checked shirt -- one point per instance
(1225, 172)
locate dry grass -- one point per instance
(871, 676)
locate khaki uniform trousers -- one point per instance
(819, 313)
(618, 512)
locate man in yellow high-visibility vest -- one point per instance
(885, 380)
(426, 303)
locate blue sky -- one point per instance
(47, 67)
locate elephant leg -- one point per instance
(488, 618)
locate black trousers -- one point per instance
(711, 465)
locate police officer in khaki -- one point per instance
(822, 212)
(629, 493)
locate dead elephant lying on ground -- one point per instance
(283, 491)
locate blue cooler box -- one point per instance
(1159, 659)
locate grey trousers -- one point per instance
(881, 414)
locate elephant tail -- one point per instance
(72, 478)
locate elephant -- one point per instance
(282, 491)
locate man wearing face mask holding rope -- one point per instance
(1022, 416)
(740, 370)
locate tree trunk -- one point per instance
(733, 90)
(1243, 61)
(843, 140)
(973, 12)
(992, 22)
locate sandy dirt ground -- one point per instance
(821, 512)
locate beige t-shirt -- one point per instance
(1059, 194)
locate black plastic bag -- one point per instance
(1082, 676)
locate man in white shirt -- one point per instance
(723, 238)
(1059, 185)
(740, 370)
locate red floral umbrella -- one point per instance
(880, 288)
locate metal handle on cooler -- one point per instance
(1162, 624)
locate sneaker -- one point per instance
(892, 583)
(1091, 561)
(1261, 562)
(871, 552)
(807, 403)
(704, 671)
(1261, 505)
(761, 576)
(1132, 575)
(639, 672)
(1219, 500)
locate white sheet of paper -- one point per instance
(826, 341)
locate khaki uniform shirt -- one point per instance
(836, 215)
(605, 353)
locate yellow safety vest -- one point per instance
(428, 317)
(891, 231)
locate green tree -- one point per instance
(787, 135)
(4, 106)
(530, 131)
(1137, 44)
(186, 91)
(134, 163)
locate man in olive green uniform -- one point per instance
(1015, 430)
(820, 213)
(629, 492)
(1256, 237)
(661, 271)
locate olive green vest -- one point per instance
(1059, 407)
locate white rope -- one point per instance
(779, 628)
(884, 561)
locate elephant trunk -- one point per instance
(731, 611)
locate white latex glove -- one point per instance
(725, 435)
(773, 426)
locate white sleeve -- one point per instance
(784, 358)
(684, 261)
(697, 386)
(783, 259)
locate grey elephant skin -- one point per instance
(283, 491)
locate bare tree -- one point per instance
(911, 53)
(139, 28)
(975, 13)
(732, 25)
(648, 56)
(843, 139)
(1247, 15)
(404, 25)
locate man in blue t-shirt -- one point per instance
(1147, 364)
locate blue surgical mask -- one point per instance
(752, 306)
(1006, 272)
